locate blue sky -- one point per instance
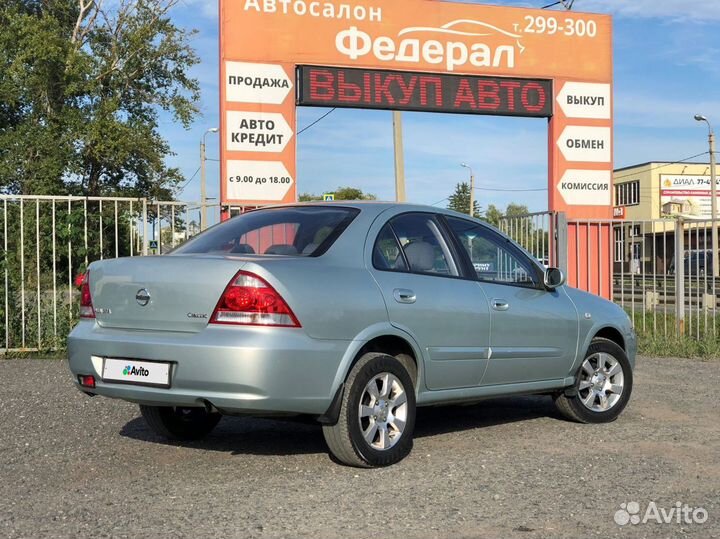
(667, 68)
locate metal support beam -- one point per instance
(561, 242)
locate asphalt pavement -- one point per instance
(73, 466)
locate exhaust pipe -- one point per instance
(210, 408)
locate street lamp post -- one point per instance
(472, 188)
(203, 181)
(713, 194)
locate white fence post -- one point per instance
(561, 242)
(145, 228)
(680, 276)
(44, 247)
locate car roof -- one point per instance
(374, 206)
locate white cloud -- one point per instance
(652, 111)
(699, 11)
(206, 8)
(704, 58)
(631, 148)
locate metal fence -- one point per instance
(536, 232)
(663, 276)
(660, 270)
(48, 240)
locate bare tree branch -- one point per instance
(87, 17)
(84, 7)
(91, 22)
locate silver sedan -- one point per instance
(351, 313)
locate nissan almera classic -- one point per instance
(353, 314)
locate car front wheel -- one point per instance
(180, 423)
(377, 414)
(602, 386)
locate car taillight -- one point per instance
(251, 301)
(86, 306)
(86, 380)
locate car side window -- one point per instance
(493, 257)
(386, 253)
(423, 245)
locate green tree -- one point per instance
(460, 200)
(341, 193)
(81, 86)
(352, 193)
(516, 210)
(493, 215)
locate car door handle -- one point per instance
(403, 295)
(500, 304)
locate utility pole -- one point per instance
(472, 189)
(713, 195)
(399, 157)
(203, 180)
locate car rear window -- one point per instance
(289, 231)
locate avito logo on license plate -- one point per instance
(151, 373)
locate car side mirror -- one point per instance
(554, 278)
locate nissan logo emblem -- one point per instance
(142, 297)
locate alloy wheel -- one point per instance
(383, 411)
(601, 382)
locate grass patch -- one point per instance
(659, 335)
(49, 354)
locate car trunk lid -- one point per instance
(167, 293)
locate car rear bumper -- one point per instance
(238, 370)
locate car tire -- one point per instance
(377, 414)
(180, 423)
(594, 398)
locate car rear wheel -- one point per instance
(377, 415)
(602, 386)
(180, 423)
